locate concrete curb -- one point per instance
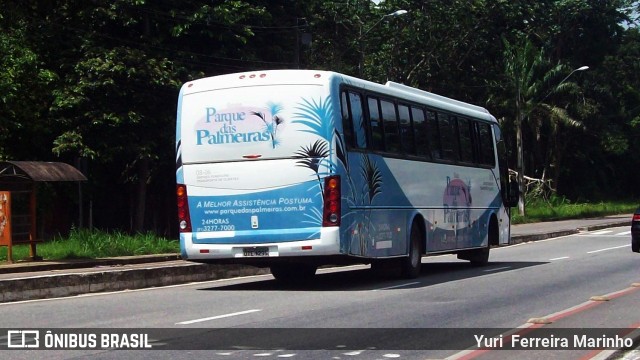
(519, 239)
(61, 285)
(605, 226)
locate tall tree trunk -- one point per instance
(560, 150)
(520, 160)
(143, 179)
(520, 171)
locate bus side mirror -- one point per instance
(514, 194)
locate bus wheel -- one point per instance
(411, 265)
(480, 257)
(477, 257)
(293, 272)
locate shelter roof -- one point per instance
(39, 171)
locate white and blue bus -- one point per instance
(293, 169)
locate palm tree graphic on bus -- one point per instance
(317, 117)
(312, 157)
(370, 189)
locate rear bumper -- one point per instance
(327, 244)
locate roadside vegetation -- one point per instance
(94, 244)
(562, 209)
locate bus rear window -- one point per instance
(235, 124)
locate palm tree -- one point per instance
(530, 76)
(555, 118)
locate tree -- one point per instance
(531, 81)
(118, 99)
(602, 155)
(24, 92)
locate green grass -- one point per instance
(537, 211)
(93, 244)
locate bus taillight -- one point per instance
(184, 220)
(331, 213)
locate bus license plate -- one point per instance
(255, 251)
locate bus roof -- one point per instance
(259, 78)
(321, 77)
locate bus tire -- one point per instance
(411, 265)
(480, 257)
(477, 257)
(293, 273)
(379, 267)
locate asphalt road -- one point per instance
(373, 317)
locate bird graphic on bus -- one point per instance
(272, 126)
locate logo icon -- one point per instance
(21, 339)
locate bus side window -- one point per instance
(347, 124)
(448, 137)
(391, 134)
(466, 142)
(421, 132)
(434, 135)
(487, 152)
(375, 124)
(509, 189)
(357, 116)
(406, 130)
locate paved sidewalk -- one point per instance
(48, 279)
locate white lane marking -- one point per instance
(607, 249)
(601, 232)
(596, 234)
(559, 258)
(218, 317)
(497, 269)
(397, 286)
(354, 353)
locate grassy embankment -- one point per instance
(538, 211)
(85, 244)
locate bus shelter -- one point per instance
(18, 185)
